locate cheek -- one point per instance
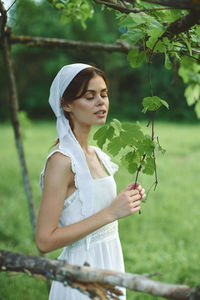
(83, 106)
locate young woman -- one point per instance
(79, 208)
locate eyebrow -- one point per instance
(93, 91)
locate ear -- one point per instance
(65, 106)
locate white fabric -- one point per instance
(67, 140)
(105, 249)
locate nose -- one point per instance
(100, 100)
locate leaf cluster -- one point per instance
(148, 31)
(128, 140)
(76, 10)
(190, 72)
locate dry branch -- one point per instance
(3, 19)
(119, 46)
(13, 106)
(81, 276)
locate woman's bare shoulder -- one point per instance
(59, 161)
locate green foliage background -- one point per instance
(36, 67)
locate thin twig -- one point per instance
(11, 5)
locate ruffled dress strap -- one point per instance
(56, 149)
(110, 166)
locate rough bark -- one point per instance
(91, 280)
(13, 107)
(119, 46)
(3, 20)
(178, 4)
(183, 24)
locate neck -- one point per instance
(82, 133)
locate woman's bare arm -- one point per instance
(57, 181)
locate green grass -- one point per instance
(163, 239)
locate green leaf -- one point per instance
(60, 5)
(131, 161)
(197, 109)
(132, 168)
(154, 34)
(153, 103)
(149, 166)
(185, 39)
(192, 93)
(110, 133)
(116, 124)
(146, 146)
(168, 64)
(133, 35)
(114, 146)
(101, 136)
(135, 57)
(133, 130)
(160, 47)
(164, 103)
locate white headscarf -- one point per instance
(67, 141)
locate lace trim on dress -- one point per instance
(106, 232)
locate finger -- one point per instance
(144, 196)
(136, 203)
(135, 209)
(142, 192)
(135, 197)
(132, 193)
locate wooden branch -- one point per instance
(13, 106)
(3, 20)
(183, 24)
(179, 4)
(80, 276)
(119, 46)
(118, 5)
(123, 7)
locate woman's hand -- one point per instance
(127, 202)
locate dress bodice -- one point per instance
(104, 193)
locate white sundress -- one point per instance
(105, 248)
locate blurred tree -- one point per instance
(36, 67)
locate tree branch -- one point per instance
(180, 4)
(119, 46)
(3, 20)
(13, 107)
(183, 24)
(123, 7)
(80, 276)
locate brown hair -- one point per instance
(78, 87)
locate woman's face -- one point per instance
(92, 107)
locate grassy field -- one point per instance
(163, 239)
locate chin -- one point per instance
(100, 122)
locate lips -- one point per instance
(100, 112)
